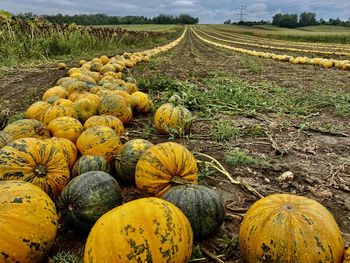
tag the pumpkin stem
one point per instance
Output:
(40, 170)
(176, 180)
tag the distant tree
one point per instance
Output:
(322, 21)
(285, 20)
(334, 22)
(307, 19)
(227, 22)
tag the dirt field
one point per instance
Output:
(259, 118)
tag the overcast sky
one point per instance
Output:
(208, 11)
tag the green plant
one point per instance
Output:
(240, 158)
(66, 257)
(223, 130)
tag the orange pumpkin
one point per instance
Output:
(55, 91)
(163, 166)
(99, 140)
(68, 149)
(290, 228)
(28, 222)
(170, 119)
(140, 102)
(117, 106)
(27, 128)
(143, 230)
(105, 120)
(37, 109)
(85, 108)
(66, 127)
(35, 161)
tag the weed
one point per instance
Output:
(240, 158)
(16, 117)
(66, 257)
(229, 245)
(224, 130)
(251, 64)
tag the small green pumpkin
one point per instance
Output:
(88, 163)
(86, 198)
(202, 206)
(130, 153)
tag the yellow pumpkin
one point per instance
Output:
(117, 106)
(99, 140)
(27, 128)
(290, 228)
(68, 148)
(106, 120)
(122, 93)
(76, 86)
(140, 102)
(37, 109)
(35, 161)
(63, 102)
(143, 230)
(28, 222)
(104, 59)
(170, 119)
(347, 256)
(78, 95)
(55, 112)
(66, 127)
(85, 108)
(55, 91)
(5, 139)
(163, 166)
(130, 87)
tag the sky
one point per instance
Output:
(208, 11)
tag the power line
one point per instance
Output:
(240, 13)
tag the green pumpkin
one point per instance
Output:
(202, 206)
(88, 163)
(130, 153)
(86, 198)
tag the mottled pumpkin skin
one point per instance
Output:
(63, 102)
(106, 120)
(37, 109)
(88, 163)
(28, 222)
(140, 102)
(55, 91)
(55, 112)
(170, 119)
(117, 106)
(27, 128)
(99, 140)
(289, 228)
(202, 206)
(68, 148)
(130, 153)
(347, 256)
(130, 87)
(5, 139)
(86, 198)
(75, 86)
(143, 230)
(35, 161)
(165, 165)
(66, 127)
(85, 108)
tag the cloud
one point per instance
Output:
(208, 11)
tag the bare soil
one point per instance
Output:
(319, 161)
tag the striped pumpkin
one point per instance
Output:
(143, 230)
(28, 222)
(140, 102)
(55, 91)
(68, 148)
(27, 128)
(170, 119)
(290, 228)
(35, 161)
(88, 163)
(66, 127)
(5, 139)
(55, 112)
(105, 120)
(37, 109)
(117, 106)
(165, 165)
(85, 108)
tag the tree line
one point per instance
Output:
(294, 20)
(102, 19)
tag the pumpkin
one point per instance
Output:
(5, 139)
(55, 91)
(68, 149)
(170, 119)
(130, 87)
(143, 230)
(37, 109)
(84, 94)
(86, 198)
(85, 108)
(347, 256)
(130, 153)
(55, 112)
(122, 93)
(289, 228)
(165, 165)
(140, 102)
(35, 161)
(63, 102)
(105, 120)
(104, 59)
(27, 128)
(117, 106)
(88, 163)
(202, 206)
(61, 66)
(76, 86)
(28, 222)
(99, 140)
(72, 71)
(66, 127)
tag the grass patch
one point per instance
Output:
(66, 257)
(224, 130)
(240, 158)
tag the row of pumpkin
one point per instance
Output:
(149, 229)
